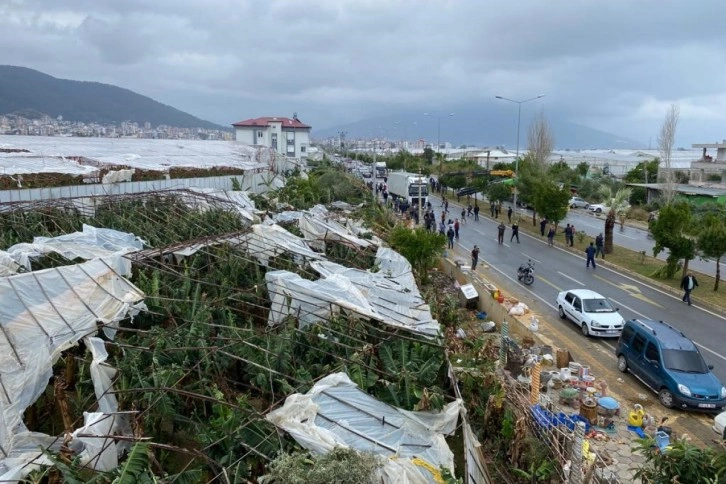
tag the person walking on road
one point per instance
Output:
(500, 233)
(542, 226)
(590, 253)
(450, 235)
(492, 207)
(688, 284)
(551, 236)
(476, 213)
(568, 235)
(599, 245)
(509, 214)
(456, 229)
(474, 257)
(515, 231)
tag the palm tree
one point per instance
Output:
(618, 204)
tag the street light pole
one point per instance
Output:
(519, 122)
(438, 135)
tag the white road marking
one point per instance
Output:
(531, 258)
(571, 278)
(646, 317)
(630, 309)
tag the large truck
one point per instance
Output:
(381, 169)
(408, 186)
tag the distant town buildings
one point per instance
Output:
(11, 124)
(289, 137)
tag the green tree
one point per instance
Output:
(428, 155)
(711, 242)
(419, 246)
(582, 168)
(499, 192)
(617, 204)
(561, 172)
(670, 231)
(644, 172)
(551, 201)
(453, 181)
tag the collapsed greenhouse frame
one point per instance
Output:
(358, 328)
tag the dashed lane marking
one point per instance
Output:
(571, 278)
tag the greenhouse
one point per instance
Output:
(160, 329)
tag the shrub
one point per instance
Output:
(340, 466)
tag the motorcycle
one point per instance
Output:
(525, 273)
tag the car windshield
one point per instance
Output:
(687, 361)
(598, 306)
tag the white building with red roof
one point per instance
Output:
(289, 137)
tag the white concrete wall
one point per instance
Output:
(245, 135)
(252, 182)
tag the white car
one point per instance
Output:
(593, 313)
(577, 202)
(599, 208)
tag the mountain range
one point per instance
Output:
(28, 90)
(482, 124)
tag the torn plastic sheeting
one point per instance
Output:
(396, 267)
(266, 241)
(46, 312)
(118, 176)
(287, 216)
(317, 230)
(8, 265)
(94, 449)
(392, 302)
(312, 301)
(242, 204)
(89, 244)
(336, 413)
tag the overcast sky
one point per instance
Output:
(615, 65)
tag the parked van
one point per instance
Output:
(670, 364)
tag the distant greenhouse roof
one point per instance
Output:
(685, 189)
(79, 156)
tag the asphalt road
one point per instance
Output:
(557, 269)
(632, 238)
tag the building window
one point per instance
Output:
(302, 149)
(259, 134)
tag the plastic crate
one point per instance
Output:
(662, 440)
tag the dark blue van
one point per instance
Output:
(670, 364)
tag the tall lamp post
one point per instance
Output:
(438, 134)
(519, 122)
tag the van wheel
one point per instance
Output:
(562, 312)
(584, 330)
(622, 364)
(666, 398)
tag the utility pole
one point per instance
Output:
(438, 137)
(420, 202)
(519, 122)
